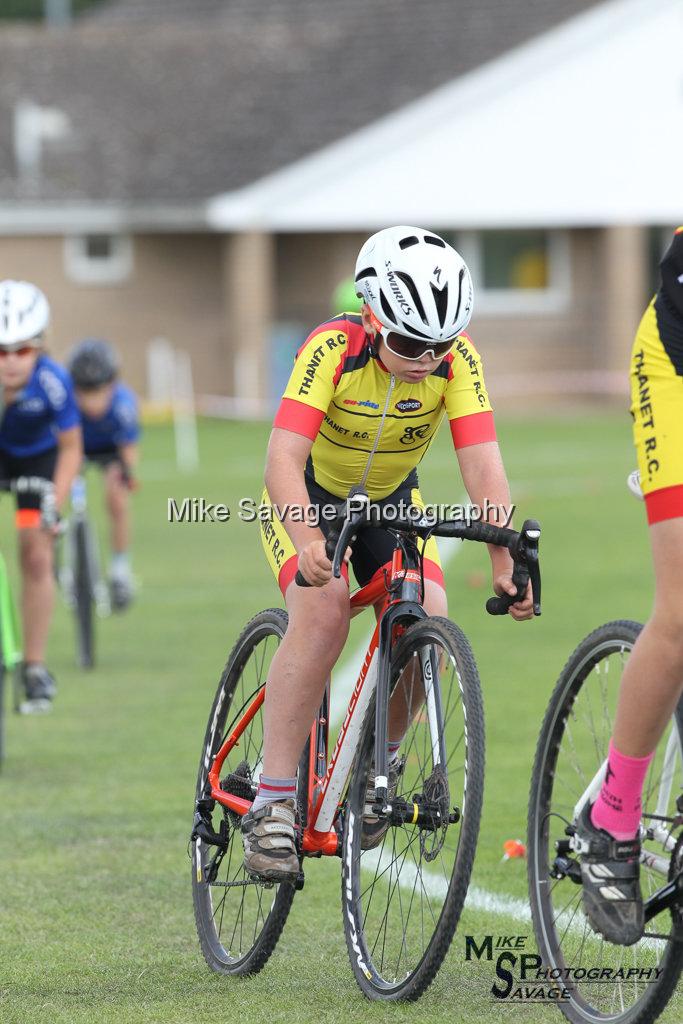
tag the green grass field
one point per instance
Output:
(96, 799)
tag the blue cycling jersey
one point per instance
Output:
(118, 426)
(43, 408)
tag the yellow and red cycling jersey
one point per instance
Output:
(657, 392)
(337, 393)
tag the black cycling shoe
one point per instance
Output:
(40, 689)
(610, 870)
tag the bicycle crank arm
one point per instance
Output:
(402, 813)
(669, 895)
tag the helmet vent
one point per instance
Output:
(411, 332)
(433, 240)
(457, 310)
(409, 240)
(414, 294)
(388, 312)
(441, 302)
(367, 272)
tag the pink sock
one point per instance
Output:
(617, 809)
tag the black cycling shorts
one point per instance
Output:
(41, 465)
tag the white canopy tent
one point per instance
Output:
(582, 126)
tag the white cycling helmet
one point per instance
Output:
(24, 312)
(415, 283)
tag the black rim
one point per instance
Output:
(401, 887)
(84, 598)
(234, 909)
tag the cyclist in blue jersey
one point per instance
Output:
(111, 430)
(40, 436)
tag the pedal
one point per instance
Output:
(267, 883)
(566, 867)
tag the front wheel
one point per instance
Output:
(403, 897)
(604, 982)
(82, 547)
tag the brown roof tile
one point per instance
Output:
(171, 106)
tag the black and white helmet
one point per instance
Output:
(24, 313)
(415, 283)
(93, 363)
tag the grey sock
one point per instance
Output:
(271, 790)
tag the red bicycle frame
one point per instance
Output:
(324, 787)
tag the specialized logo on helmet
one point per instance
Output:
(437, 274)
(367, 288)
(406, 308)
(408, 405)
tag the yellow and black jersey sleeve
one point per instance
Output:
(467, 402)
(312, 384)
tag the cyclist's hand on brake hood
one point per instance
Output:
(314, 564)
(521, 610)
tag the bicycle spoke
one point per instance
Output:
(573, 753)
(233, 910)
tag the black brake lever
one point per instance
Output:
(526, 568)
(333, 549)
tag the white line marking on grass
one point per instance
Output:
(479, 899)
(344, 678)
(437, 886)
(496, 903)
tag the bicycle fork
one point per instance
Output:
(432, 808)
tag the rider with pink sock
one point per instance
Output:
(608, 830)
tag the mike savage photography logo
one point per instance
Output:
(200, 510)
(519, 976)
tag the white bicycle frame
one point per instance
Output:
(339, 767)
(657, 829)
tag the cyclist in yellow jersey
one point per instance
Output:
(363, 403)
(652, 682)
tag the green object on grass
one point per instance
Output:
(10, 631)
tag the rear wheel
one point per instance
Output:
(402, 899)
(238, 920)
(572, 747)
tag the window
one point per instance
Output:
(98, 259)
(526, 271)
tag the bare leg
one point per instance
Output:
(317, 631)
(653, 678)
(37, 598)
(117, 500)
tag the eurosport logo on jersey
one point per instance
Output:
(521, 977)
(249, 510)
